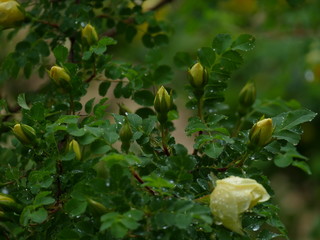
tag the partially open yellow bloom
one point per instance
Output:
(233, 196)
(58, 74)
(9, 13)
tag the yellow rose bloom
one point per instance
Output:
(10, 13)
(233, 196)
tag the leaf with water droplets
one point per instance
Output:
(221, 42)
(244, 42)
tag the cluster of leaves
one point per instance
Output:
(145, 192)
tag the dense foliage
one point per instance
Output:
(75, 169)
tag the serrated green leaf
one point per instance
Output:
(182, 60)
(244, 42)
(231, 60)
(206, 56)
(61, 53)
(39, 216)
(75, 207)
(221, 43)
(143, 97)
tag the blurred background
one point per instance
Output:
(285, 63)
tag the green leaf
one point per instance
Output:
(206, 56)
(283, 160)
(37, 111)
(39, 216)
(244, 42)
(118, 230)
(291, 119)
(162, 75)
(303, 166)
(143, 97)
(213, 150)
(103, 88)
(89, 105)
(182, 60)
(87, 55)
(22, 101)
(99, 147)
(221, 42)
(43, 199)
(61, 53)
(75, 207)
(157, 182)
(107, 41)
(231, 60)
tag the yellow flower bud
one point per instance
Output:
(89, 34)
(74, 147)
(247, 95)
(5, 199)
(10, 13)
(261, 133)
(25, 133)
(233, 196)
(198, 75)
(58, 74)
(96, 207)
(163, 103)
(125, 132)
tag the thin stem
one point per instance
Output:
(200, 108)
(164, 134)
(139, 179)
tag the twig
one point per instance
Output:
(139, 179)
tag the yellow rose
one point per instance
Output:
(233, 196)
(10, 13)
(58, 74)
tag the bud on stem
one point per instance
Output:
(125, 136)
(247, 95)
(74, 147)
(25, 133)
(198, 76)
(89, 34)
(261, 133)
(59, 74)
(163, 103)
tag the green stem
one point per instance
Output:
(200, 108)
(164, 134)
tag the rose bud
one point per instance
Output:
(58, 74)
(261, 133)
(74, 147)
(25, 133)
(89, 34)
(198, 75)
(10, 13)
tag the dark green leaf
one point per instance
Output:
(221, 43)
(75, 207)
(103, 88)
(183, 60)
(89, 105)
(231, 60)
(143, 97)
(244, 42)
(206, 56)
(61, 53)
